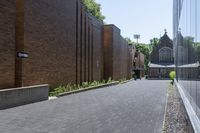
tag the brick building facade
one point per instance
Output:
(116, 54)
(7, 43)
(65, 44)
(162, 59)
(138, 64)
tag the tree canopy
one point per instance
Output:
(94, 8)
(129, 40)
(143, 48)
(153, 42)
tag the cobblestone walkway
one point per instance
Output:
(134, 107)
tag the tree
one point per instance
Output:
(153, 43)
(94, 8)
(144, 48)
(129, 40)
(197, 47)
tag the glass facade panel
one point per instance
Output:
(187, 48)
(197, 46)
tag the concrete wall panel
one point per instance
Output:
(20, 96)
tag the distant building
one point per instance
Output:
(138, 64)
(162, 59)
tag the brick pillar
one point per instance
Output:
(19, 39)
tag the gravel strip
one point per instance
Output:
(175, 115)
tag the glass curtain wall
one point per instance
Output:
(187, 48)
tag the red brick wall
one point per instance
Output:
(139, 63)
(131, 54)
(69, 39)
(97, 49)
(108, 51)
(139, 60)
(89, 47)
(50, 40)
(127, 56)
(65, 44)
(7, 43)
(116, 54)
(124, 58)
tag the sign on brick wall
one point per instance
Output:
(22, 54)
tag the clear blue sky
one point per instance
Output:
(149, 18)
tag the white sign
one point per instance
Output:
(22, 54)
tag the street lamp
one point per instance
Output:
(137, 36)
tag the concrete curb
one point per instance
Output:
(166, 105)
(87, 89)
(127, 81)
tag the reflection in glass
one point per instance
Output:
(187, 48)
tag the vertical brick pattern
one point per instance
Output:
(89, 47)
(131, 54)
(117, 74)
(139, 63)
(78, 43)
(7, 43)
(19, 42)
(65, 44)
(97, 49)
(82, 43)
(50, 40)
(108, 51)
(116, 54)
(124, 58)
(78, 19)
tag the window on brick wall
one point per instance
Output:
(165, 54)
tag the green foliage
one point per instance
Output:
(122, 80)
(192, 46)
(188, 40)
(62, 89)
(153, 43)
(129, 40)
(144, 48)
(197, 48)
(109, 80)
(69, 87)
(172, 75)
(94, 8)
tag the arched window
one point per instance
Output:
(165, 54)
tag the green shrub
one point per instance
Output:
(85, 84)
(172, 75)
(122, 80)
(109, 80)
(69, 87)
